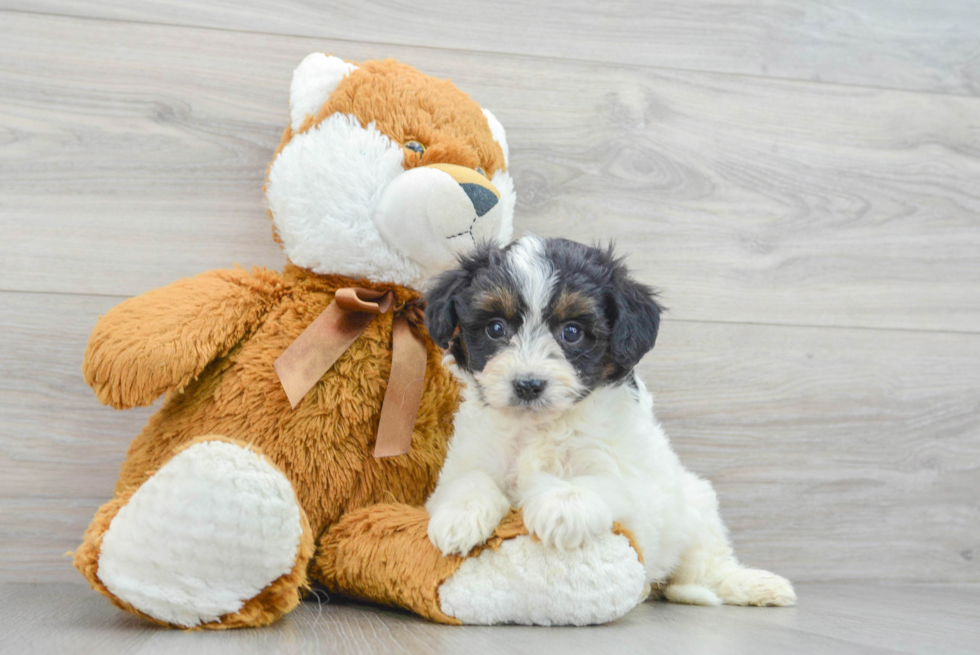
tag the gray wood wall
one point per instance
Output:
(802, 179)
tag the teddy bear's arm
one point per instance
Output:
(162, 340)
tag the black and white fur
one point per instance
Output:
(545, 334)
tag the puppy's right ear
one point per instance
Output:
(635, 317)
(440, 311)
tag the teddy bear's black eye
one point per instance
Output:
(496, 329)
(415, 147)
(481, 171)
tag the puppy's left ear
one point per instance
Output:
(634, 314)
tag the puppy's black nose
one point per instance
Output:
(528, 388)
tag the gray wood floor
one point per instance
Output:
(801, 179)
(841, 619)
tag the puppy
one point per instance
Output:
(545, 334)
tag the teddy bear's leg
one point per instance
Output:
(383, 554)
(215, 538)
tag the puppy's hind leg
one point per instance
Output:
(708, 573)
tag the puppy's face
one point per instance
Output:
(538, 325)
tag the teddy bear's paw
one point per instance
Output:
(206, 533)
(526, 582)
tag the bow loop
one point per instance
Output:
(368, 301)
(333, 332)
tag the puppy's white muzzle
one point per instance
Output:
(531, 376)
(434, 213)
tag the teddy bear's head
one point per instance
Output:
(386, 173)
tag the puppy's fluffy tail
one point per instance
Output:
(708, 573)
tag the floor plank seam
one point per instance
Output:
(668, 318)
(80, 294)
(622, 65)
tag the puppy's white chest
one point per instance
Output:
(538, 451)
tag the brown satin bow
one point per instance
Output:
(329, 336)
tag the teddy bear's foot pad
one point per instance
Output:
(525, 582)
(206, 533)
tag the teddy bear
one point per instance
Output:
(307, 412)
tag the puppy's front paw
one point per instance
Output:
(464, 514)
(456, 530)
(567, 517)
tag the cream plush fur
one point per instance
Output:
(522, 582)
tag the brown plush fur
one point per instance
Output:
(408, 105)
(210, 341)
(324, 446)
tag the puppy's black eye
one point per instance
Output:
(481, 171)
(496, 329)
(415, 147)
(571, 333)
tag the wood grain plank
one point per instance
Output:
(835, 452)
(840, 618)
(917, 45)
(56, 440)
(40, 534)
(128, 160)
(838, 454)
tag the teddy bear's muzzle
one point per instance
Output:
(435, 213)
(481, 191)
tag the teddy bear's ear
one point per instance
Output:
(499, 135)
(313, 82)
